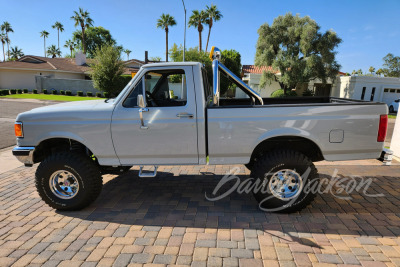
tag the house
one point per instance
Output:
(35, 72)
(251, 75)
(370, 88)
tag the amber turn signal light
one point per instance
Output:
(18, 129)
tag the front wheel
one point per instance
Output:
(391, 109)
(68, 181)
(287, 177)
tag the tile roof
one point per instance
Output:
(54, 64)
(257, 70)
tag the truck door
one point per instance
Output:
(168, 133)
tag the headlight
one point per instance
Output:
(19, 132)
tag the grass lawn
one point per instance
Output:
(392, 116)
(51, 97)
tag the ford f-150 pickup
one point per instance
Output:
(169, 114)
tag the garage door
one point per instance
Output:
(390, 95)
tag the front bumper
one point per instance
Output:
(24, 154)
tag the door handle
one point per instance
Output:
(141, 110)
(184, 115)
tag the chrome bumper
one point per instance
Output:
(386, 156)
(24, 154)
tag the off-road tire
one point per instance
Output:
(277, 160)
(83, 168)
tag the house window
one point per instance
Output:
(363, 93)
(372, 93)
(398, 91)
(393, 90)
(386, 90)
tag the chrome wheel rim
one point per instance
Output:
(64, 184)
(286, 184)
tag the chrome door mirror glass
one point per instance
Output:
(140, 101)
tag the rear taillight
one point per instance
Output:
(383, 123)
(18, 129)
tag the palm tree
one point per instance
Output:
(196, 20)
(44, 34)
(82, 19)
(60, 28)
(127, 52)
(164, 22)
(16, 53)
(53, 51)
(213, 14)
(3, 40)
(6, 28)
(71, 45)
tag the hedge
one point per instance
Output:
(34, 91)
(62, 92)
(281, 93)
(98, 94)
(68, 92)
(89, 94)
(13, 91)
(80, 93)
(45, 91)
(19, 91)
(106, 94)
(26, 91)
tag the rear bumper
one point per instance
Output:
(386, 156)
(24, 154)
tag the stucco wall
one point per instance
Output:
(21, 79)
(73, 85)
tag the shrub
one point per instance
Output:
(19, 91)
(62, 92)
(54, 92)
(68, 92)
(26, 91)
(45, 91)
(13, 91)
(280, 93)
(106, 94)
(98, 94)
(1, 92)
(6, 92)
(34, 91)
(89, 94)
(80, 93)
(308, 92)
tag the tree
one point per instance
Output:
(360, 72)
(6, 28)
(95, 37)
(71, 45)
(127, 52)
(107, 70)
(371, 70)
(44, 34)
(60, 28)
(82, 19)
(16, 53)
(391, 66)
(197, 19)
(295, 47)
(3, 40)
(164, 22)
(155, 59)
(379, 72)
(53, 51)
(213, 14)
(230, 58)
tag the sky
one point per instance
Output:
(369, 29)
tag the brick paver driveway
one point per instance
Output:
(167, 220)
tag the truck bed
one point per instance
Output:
(293, 100)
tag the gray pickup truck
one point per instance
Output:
(169, 114)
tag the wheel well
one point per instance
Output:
(54, 145)
(300, 144)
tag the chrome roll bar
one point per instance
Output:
(218, 66)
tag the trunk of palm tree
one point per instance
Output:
(58, 37)
(209, 31)
(4, 55)
(166, 44)
(8, 47)
(200, 41)
(83, 40)
(71, 51)
(44, 38)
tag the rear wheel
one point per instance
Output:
(287, 178)
(68, 181)
(391, 109)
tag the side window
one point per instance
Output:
(131, 100)
(166, 88)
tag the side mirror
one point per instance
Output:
(140, 101)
